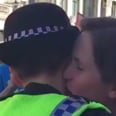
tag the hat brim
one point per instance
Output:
(11, 52)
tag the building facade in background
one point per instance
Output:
(89, 8)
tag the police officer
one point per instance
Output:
(38, 44)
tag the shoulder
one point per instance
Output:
(93, 108)
(4, 66)
(79, 105)
(90, 108)
(4, 69)
(4, 72)
(96, 112)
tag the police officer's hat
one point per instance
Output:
(29, 24)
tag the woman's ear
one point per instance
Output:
(15, 77)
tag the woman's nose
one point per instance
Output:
(68, 73)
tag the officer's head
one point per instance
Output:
(92, 73)
(38, 40)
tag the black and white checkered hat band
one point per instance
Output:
(34, 32)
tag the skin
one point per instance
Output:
(82, 76)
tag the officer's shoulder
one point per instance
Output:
(2, 98)
(93, 108)
(96, 112)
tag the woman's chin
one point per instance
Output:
(71, 89)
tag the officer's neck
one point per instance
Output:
(55, 81)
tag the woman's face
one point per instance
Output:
(82, 75)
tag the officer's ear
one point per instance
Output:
(15, 77)
(112, 91)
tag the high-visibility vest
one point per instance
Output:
(45, 105)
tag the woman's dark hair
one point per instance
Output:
(103, 31)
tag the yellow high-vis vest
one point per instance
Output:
(45, 105)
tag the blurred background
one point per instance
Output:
(75, 9)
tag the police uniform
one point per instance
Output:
(33, 35)
(44, 100)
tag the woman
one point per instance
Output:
(92, 72)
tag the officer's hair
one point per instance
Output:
(47, 55)
(103, 32)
